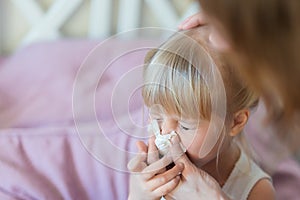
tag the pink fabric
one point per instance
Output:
(43, 157)
(2, 59)
(51, 163)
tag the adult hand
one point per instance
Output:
(193, 21)
(215, 36)
(195, 183)
(149, 179)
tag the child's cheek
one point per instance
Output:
(192, 142)
(186, 140)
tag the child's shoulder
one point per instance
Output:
(263, 189)
(248, 181)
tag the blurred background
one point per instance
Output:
(23, 22)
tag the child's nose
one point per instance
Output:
(167, 126)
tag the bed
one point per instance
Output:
(42, 155)
(48, 152)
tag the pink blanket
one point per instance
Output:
(43, 156)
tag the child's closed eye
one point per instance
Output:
(187, 127)
(183, 127)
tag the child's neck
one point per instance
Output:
(227, 159)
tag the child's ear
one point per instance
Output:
(239, 121)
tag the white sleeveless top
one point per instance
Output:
(243, 177)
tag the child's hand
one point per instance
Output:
(195, 183)
(149, 179)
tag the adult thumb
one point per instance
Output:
(178, 155)
(142, 147)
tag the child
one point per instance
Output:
(193, 94)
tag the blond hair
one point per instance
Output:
(265, 37)
(176, 77)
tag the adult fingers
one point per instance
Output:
(163, 178)
(138, 163)
(178, 155)
(193, 21)
(180, 26)
(156, 167)
(153, 154)
(142, 147)
(168, 187)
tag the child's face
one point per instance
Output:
(191, 132)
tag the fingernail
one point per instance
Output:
(175, 139)
(185, 21)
